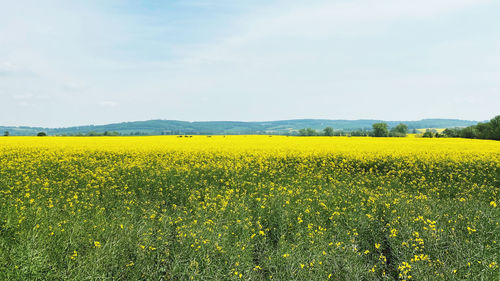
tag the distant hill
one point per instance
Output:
(283, 127)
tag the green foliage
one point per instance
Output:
(328, 131)
(428, 134)
(311, 132)
(380, 130)
(469, 132)
(6, 134)
(488, 130)
(307, 132)
(452, 132)
(359, 133)
(130, 216)
(284, 127)
(105, 133)
(41, 134)
(401, 130)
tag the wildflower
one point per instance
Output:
(471, 230)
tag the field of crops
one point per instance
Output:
(249, 208)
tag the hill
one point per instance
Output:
(283, 127)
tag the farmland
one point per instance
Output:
(249, 208)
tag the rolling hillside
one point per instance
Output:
(286, 127)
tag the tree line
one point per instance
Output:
(488, 130)
(378, 130)
(330, 132)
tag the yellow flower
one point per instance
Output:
(97, 244)
(471, 230)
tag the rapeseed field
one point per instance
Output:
(249, 208)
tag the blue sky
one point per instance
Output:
(66, 63)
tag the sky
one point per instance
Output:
(66, 63)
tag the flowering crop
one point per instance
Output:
(248, 208)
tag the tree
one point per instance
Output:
(488, 130)
(482, 130)
(380, 130)
(468, 132)
(6, 134)
(495, 128)
(307, 132)
(359, 133)
(311, 132)
(328, 131)
(452, 132)
(428, 134)
(400, 130)
(41, 134)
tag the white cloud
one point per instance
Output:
(320, 19)
(108, 103)
(6, 68)
(306, 57)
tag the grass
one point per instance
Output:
(254, 208)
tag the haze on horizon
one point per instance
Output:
(65, 63)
